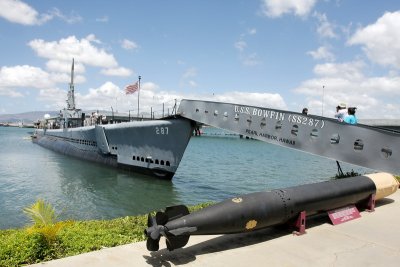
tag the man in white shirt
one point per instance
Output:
(341, 112)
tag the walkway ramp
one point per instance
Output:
(362, 145)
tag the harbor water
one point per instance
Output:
(216, 166)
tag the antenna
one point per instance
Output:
(71, 92)
(72, 72)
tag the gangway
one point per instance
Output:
(362, 145)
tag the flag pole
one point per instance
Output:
(138, 97)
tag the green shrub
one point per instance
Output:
(42, 243)
(17, 247)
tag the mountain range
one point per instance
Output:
(26, 117)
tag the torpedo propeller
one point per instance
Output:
(156, 227)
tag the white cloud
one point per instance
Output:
(325, 28)
(323, 52)
(83, 50)
(350, 70)
(71, 19)
(187, 79)
(347, 83)
(53, 98)
(16, 78)
(152, 98)
(10, 92)
(247, 59)
(381, 40)
(65, 78)
(277, 8)
(240, 45)
(108, 89)
(55, 65)
(129, 45)
(24, 76)
(121, 71)
(18, 12)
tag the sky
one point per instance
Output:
(269, 53)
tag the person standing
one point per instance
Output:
(351, 116)
(305, 111)
(341, 112)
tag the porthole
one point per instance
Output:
(133, 158)
(162, 162)
(335, 139)
(386, 152)
(142, 159)
(295, 130)
(249, 120)
(263, 123)
(278, 125)
(157, 161)
(225, 118)
(314, 133)
(167, 163)
(197, 110)
(358, 145)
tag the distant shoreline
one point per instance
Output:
(17, 125)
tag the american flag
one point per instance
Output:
(130, 89)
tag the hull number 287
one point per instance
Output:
(162, 130)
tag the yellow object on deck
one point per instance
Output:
(386, 184)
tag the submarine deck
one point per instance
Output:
(372, 240)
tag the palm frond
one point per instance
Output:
(41, 213)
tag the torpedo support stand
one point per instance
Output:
(371, 203)
(300, 224)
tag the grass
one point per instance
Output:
(33, 245)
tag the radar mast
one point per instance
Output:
(71, 92)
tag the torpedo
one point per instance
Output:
(263, 209)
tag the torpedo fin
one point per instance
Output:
(175, 212)
(174, 242)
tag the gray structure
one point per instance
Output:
(151, 147)
(372, 147)
(156, 147)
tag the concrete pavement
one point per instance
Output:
(372, 240)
